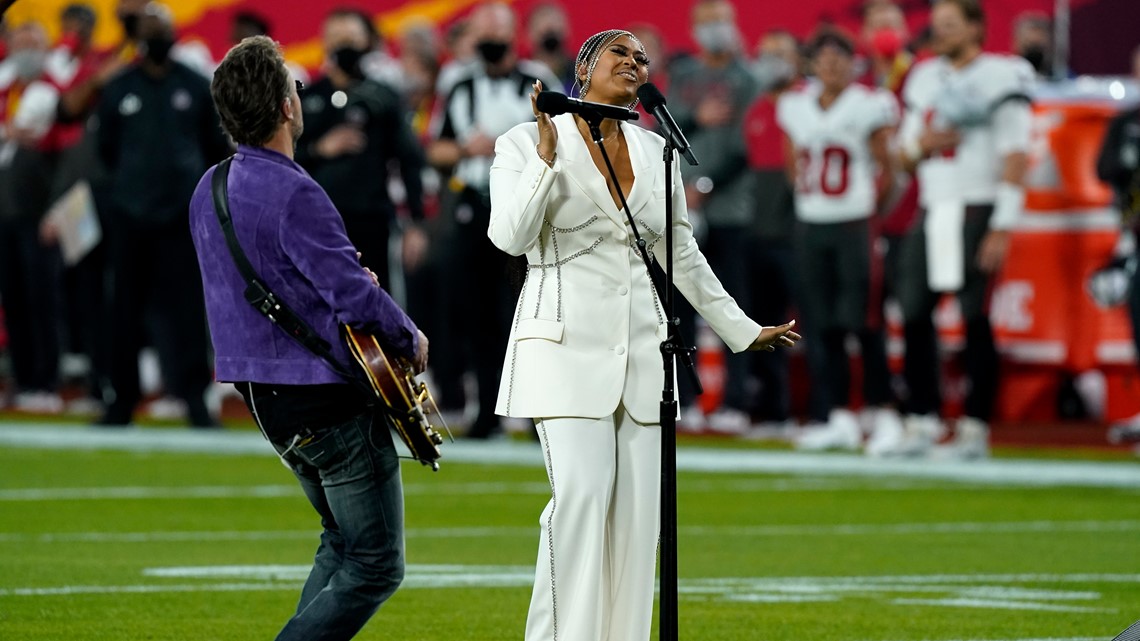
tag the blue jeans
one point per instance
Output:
(351, 475)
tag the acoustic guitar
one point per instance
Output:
(409, 402)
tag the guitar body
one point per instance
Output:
(408, 401)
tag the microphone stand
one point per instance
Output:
(673, 347)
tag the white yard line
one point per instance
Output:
(119, 493)
(115, 493)
(848, 529)
(1029, 639)
(244, 491)
(998, 604)
(993, 591)
(1002, 472)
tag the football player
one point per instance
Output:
(966, 131)
(837, 147)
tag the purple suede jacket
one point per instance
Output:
(296, 242)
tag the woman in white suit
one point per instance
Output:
(583, 358)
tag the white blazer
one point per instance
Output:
(588, 326)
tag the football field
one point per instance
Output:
(168, 534)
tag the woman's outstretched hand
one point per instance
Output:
(772, 337)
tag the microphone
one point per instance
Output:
(554, 103)
(654, 102)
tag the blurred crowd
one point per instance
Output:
(401, 135)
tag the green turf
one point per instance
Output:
(734, 526)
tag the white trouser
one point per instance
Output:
(597, 553)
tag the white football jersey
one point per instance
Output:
(835, 173)
(941, 96)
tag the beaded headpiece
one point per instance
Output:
(591, 51)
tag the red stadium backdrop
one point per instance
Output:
(295, 22)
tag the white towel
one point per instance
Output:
(945, 251)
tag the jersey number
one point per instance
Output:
(832, 177)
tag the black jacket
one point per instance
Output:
(157, 136)
(359, 182)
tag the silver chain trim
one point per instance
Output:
(570, 230)
(550, 529)
(542, 279)
(569, 258)
(515, 345)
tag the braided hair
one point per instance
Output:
(591, 50)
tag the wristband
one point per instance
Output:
(913, 150)
(1008, 205)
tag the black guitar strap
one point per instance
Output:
(258, 294)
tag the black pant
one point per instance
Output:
(730, 252)
(156, 290)
(31, 295)
(840, 295)
(922, 366)
(481, 305)
(770, 275)
(369, 233)
(85, 315)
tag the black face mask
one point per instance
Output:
(1037, 56)
(551, 42)
(130, 25)
(493, 51)
(158, 48)
(348, 59)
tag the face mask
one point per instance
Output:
(29, 63)
(493, 51)
(70, 41)
(551, 42)
(772, 72)
(887, 43)
(158, 49)
(1035, 55)
(717, 37)
(130, 25)
(348, 59)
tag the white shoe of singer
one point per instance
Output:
(842, 432)
(886, 433)
(971, 441)
(920, 433)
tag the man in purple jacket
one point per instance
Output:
(339, 448)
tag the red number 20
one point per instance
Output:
(833, 172)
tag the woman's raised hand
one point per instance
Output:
(547, 134)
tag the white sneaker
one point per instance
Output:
(1125, 431)
(692, 420)
(84, 406)
(887, 433)
(730, 421)
(841, 433)
(166, 408)
(971, 441)
(920, 433)
(38, 403)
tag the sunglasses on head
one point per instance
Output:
(300, 86)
